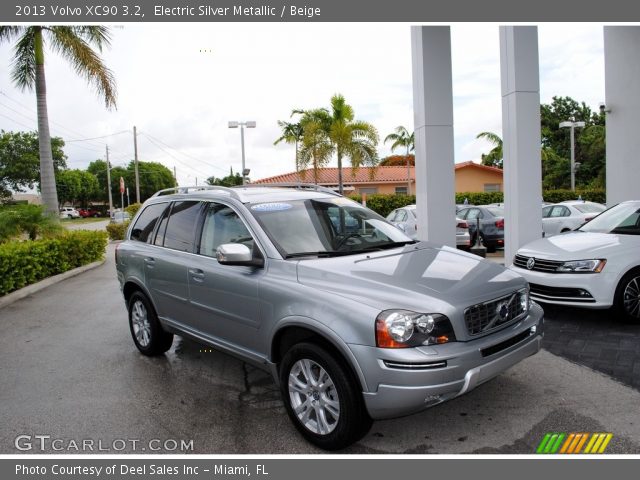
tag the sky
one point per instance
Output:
(180, 85)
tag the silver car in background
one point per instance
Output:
(355, 320)
(406, 219)
(569, 215)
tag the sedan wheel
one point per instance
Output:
(140, 321)
(322, 397)
(627, 300)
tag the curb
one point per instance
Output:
(47, 282)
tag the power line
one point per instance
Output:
(96, 138)
(30, 127)
(173, 156)
(150, 137)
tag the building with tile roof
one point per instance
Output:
(469, 177)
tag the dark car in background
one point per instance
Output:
(491, 224)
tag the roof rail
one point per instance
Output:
(297, 185)
(195, 188)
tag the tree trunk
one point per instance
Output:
(340, 186)
(47, 175)
(408, 173)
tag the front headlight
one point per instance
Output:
(582, 266)
(404, 328)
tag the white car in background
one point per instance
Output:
(406, 219)
(596, 266)
(566, 216)
(69, 212)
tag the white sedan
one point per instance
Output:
(566, 216)
(406, 219)
(596, 266)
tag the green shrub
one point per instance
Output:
(133, 209)
(480, 198)
(117, 231)
(385, 204)
(27, 219)
(24, 263)
(593, 195)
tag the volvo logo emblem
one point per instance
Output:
(531, 263)
(503, 310)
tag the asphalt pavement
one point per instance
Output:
(70, 372)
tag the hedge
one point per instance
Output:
(117, 230)
(27, 262)
(384, 204)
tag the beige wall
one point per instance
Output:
(474, 179)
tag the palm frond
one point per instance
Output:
(491, 137)
(85, 62)
(23, 67)
(9, 32)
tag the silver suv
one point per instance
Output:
(355, 320)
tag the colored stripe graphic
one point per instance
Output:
(572, 443)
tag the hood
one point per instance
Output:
(423, 277)
(578, 245)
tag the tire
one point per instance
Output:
(345, 416)
(147, 334)
(627, 297)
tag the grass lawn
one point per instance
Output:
(76, 221)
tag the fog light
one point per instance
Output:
(533, 330)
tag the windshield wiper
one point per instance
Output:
(396, 244)
(325, 253)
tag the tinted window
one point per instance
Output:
(147, 221)
(181, 226)
(546, 211)
(222, 225)
(473, 214)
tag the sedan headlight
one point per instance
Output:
(582, 266)
(404, 328)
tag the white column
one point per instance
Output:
(622, 97)
(433, 125)
(521, 135)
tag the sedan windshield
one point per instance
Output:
(325, 227)
(624, 218)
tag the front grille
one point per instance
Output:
(487, 316)
(543, 292)
(539, 264)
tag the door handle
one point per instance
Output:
(196, 274)
(150, 261)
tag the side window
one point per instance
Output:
(391, 217)
(181, 226)
(222, 225)
(402, 216)
(463, 213)
(566, 212)
(147, 221)
(473, 214)
(557, 211)
(546, 211)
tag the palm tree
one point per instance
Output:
(316, 148)
(74, 43)
(494, 157)
(291, 133)
(402, 138)
(353, 139)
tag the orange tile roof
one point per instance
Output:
(329, 176)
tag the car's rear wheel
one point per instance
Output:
(321, 398)
(627, 299)
(146, 331)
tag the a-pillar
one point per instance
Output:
(433, 125)
(521, 137)
(622, 98)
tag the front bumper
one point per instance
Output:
(559, 288)
(450, 369)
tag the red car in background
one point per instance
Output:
(89, 212)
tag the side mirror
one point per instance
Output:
(237, 254)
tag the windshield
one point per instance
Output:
(623, 218)
(589, 208)
(325, 227)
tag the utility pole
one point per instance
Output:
(109, 183)
(175, 176)
(135, 152)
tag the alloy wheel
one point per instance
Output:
(631, 297)
(140, 322)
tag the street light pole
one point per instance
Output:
(109, 183)
(248, 124)
(572, 125)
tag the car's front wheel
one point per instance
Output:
(627, 300)
(146, 330)
(321, 398)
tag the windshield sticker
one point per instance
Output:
(271, 207)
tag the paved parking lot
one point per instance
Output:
(68, 369)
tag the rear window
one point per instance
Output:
(496, 211)
(146, 222)
(590, 208)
